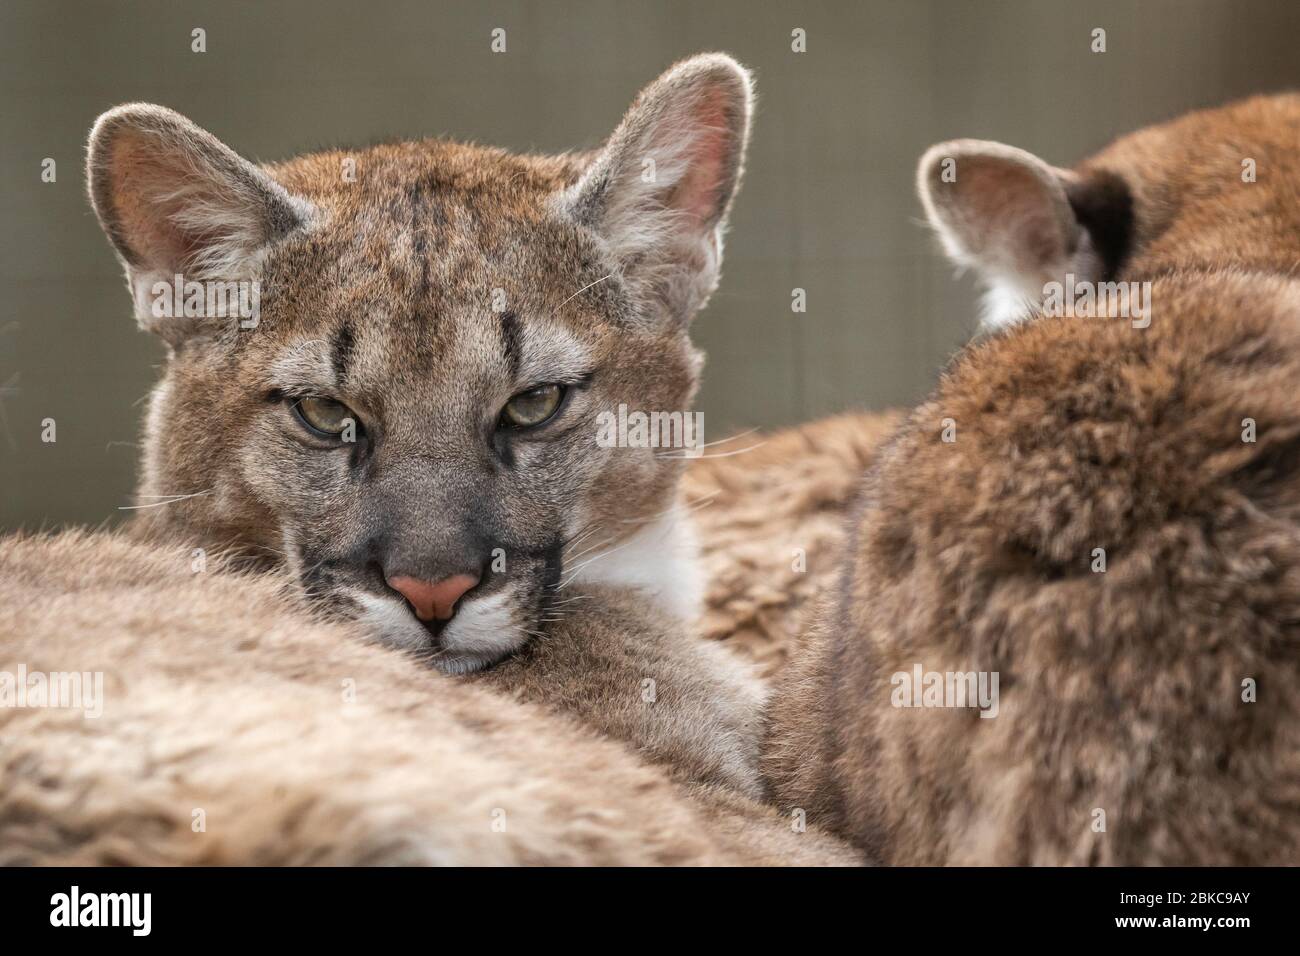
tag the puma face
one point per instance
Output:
(409, 424)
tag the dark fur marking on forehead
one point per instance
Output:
(343, 348)
(1104, 205)
(427, 214)
(510, 341)
(422, 261)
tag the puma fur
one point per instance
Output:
(1105, 515)
(272, 681)
(238, 729)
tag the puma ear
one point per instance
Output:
(174, 199)
(658, 193)
(1004, 212)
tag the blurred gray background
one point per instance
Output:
(827, 205)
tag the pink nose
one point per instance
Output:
(430, 600)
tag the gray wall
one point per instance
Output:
(827, 206)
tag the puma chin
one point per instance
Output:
(408, 425)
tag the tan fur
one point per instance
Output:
(423, 284)
(681, 701)
(1120, 691)
(771, 521)
(221, 695)
(613, 736)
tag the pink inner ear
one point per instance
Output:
(139, 178)
(149, 189)
(708, 155)
(1003, 210)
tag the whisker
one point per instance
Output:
(584, 289)
(690, 505)
(587, 550)
(723, 441)
(169, 500)
(725, 454)
(574, 572)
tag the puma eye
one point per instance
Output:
(324, 416)
(533, 407)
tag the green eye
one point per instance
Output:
(533, 407)
(324, 416)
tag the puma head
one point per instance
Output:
(407, 419)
